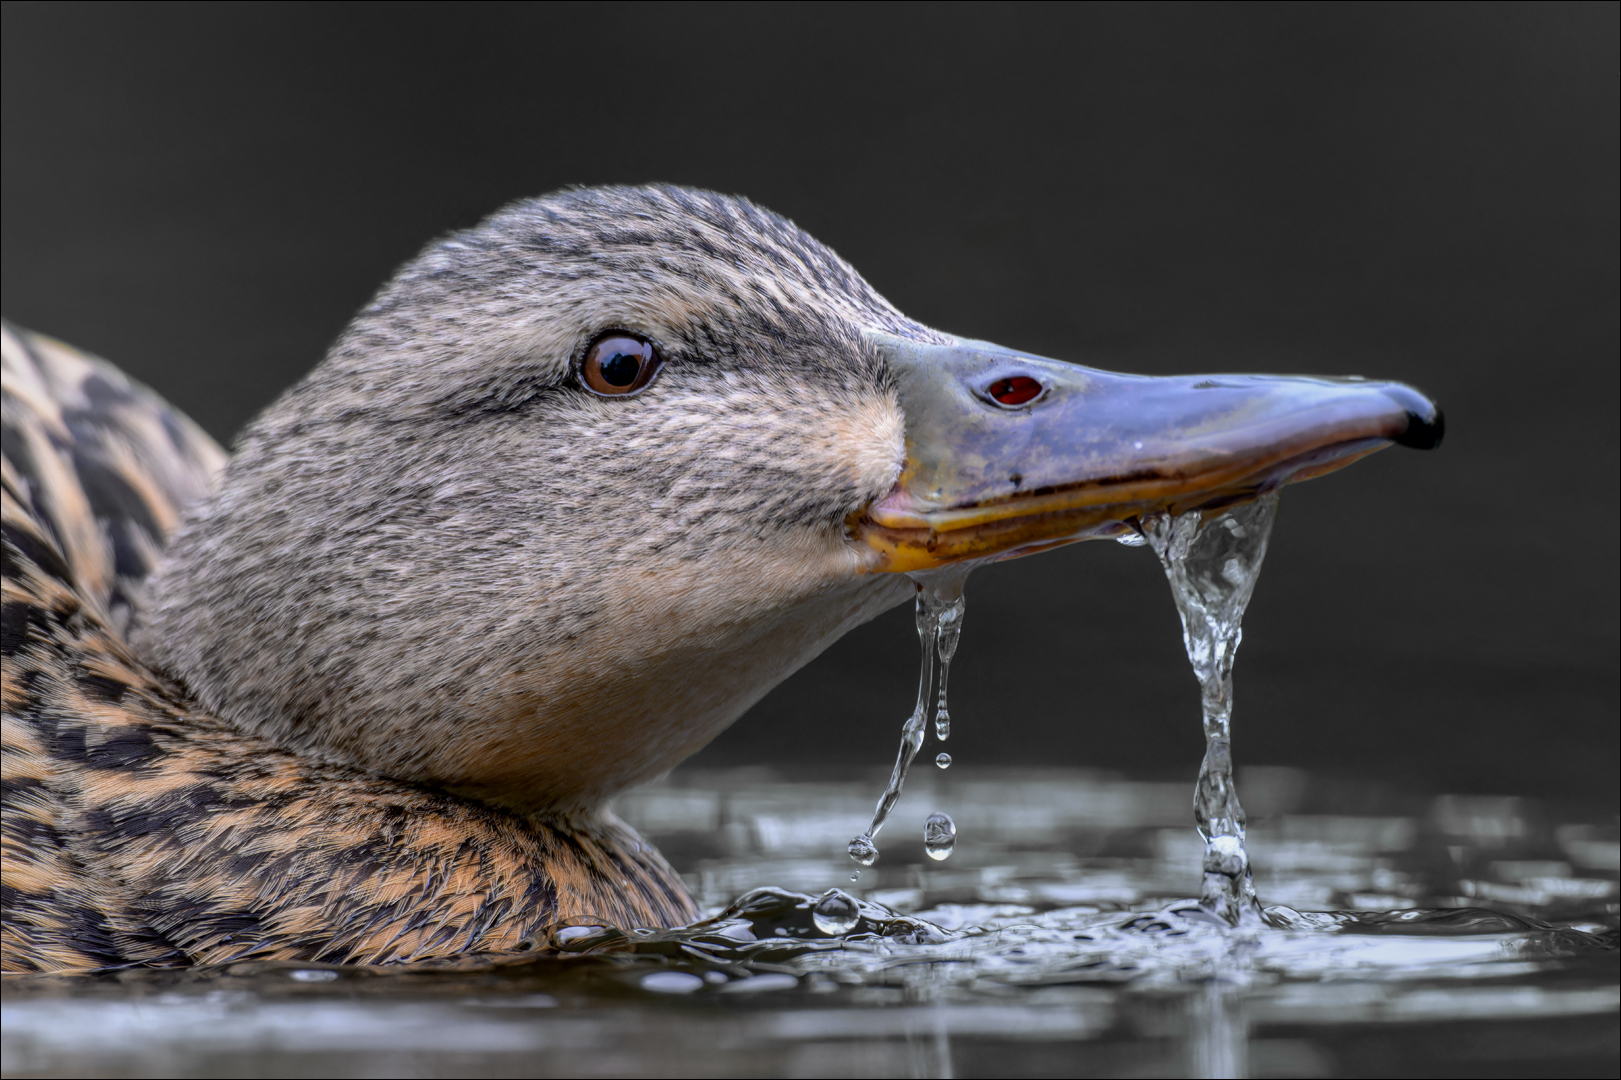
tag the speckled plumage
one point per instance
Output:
(138, 831)
(442, 602)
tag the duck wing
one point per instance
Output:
(102, 463)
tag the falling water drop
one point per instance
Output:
(943, 760)
(863, 850)
(836, 912)
(939, 836)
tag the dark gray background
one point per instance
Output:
(203, 193)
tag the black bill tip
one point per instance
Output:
(1426, 425)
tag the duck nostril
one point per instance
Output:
(1016, 390)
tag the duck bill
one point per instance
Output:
(1008, 454)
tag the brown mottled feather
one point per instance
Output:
(137, 831)
(105, 464)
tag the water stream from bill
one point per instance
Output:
(939, 615)
(1212, 565)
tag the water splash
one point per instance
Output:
(939, 836)
(975, 978)
(1212, 566)
(938, 615)
(1178, 951)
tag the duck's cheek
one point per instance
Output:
(676, 653)
(867, 442)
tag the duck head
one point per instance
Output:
(584, 482)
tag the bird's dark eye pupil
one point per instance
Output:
(621, 369)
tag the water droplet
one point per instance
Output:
(943, 760)
(942, 724)
(863, 850)
(836, 912)
(855, 875)
(939, 836)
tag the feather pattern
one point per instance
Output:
(139, 831)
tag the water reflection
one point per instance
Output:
(1421, 936)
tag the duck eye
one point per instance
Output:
(618, 363)
(1015, 391)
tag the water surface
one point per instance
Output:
(1406, 935)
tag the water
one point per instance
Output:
(1212, 565)
(939, 836)
(863, 851)
(939, 615)
(945, 597)
(1406, 934)
(836, 912)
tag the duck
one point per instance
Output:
(568, 495)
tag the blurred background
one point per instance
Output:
(205, 193)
